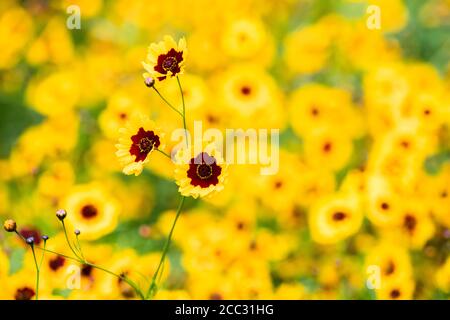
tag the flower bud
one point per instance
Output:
(10, 225)
(30, 240)
(44, 237)
(61, 214)
(77, 232)
(149, 82)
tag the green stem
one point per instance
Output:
(42, 256)
(67, 239)
(79, 247)
(37, 271)
(167, 102)
(152, 289)
(184, 110)
(164, 153)
(22, 237)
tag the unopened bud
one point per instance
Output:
(61, 214)
(10, 225)
(149, 82)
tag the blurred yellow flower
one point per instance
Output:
(91, 210)
(335, 218)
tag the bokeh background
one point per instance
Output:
(364, 175)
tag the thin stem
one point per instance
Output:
(42, 256)
(60, 254)
(37, 271)
(67, 239)
(184, 110)
(167, 102)
(22, 237)
(152, 289)
(79, 247)
(164, 153)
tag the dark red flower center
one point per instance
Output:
(339, 216)
(169, 62)
(385, 206)
(395, 294)
(327, 147)
(56, 263)
(30, 232)
(410, 223)
(86, 270)
(89, 211)
(143, 143)
(390, 269)
(204, 171)
(24, 293)
(246, 90)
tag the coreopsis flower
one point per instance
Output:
(393, 260)
(92, 210)
(335, 218)
(165, 59)
(137, 141)
(200, 175)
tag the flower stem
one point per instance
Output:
(42, 257)
(79, 248)
(184, 110)
(153, 286)
(164, 153)
(37, 271)
(68, 242)
(167, 102)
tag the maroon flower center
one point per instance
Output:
(86, 270)
(327, 147)
(143, 143)
(395, 294)
(56, 263)
(390, 269)
(339, 216)
(89, 211)
(215, 296)
(246, 90)
(30, 232)
(410, 223)
(204, 171)
(169, 62)
(24, 293)
(385, 206)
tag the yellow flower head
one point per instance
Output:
(335, 218)
(92, 210)
(137, 140)
(199, 174)
(165, 59)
